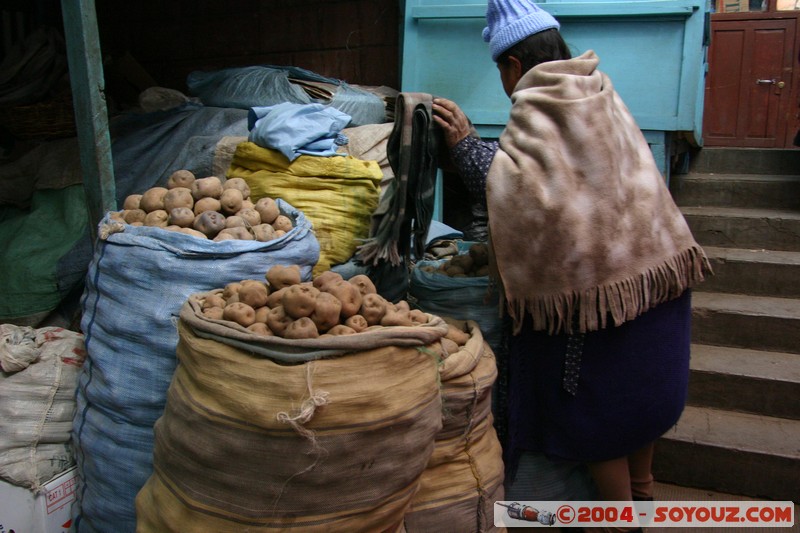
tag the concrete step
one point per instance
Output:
(745, 161)
(751, 381)
(744, 321)
(731, 227)
(726, 451)
(737, 190)
(756, 272)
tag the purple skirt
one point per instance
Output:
(631, 387)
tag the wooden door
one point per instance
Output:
(749, 84)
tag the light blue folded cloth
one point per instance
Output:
(296, 129)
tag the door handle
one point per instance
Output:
(780, 84)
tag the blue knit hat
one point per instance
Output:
(510, 21)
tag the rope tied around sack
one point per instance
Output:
(302, 416)
(307, 409)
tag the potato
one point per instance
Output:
(479, 252)
(209, 223)
(348, 294)
(132, 216)
(231, 201)
(182, 216)
(402, 305)
(178, 197)
(262, 232)
(278, 320)
(214, 313)
(302, 328)
(261, 314)
(231, 289)
(238, 184)
(260, 328)
(234, 221)
(153, 199)
(213, 300)
(250, 216)
(279, 276)
(455, 271)
(268, 210)
(326, 279)
(418, 317)
(208, 187)
(180, 178)
(193, 233)
(236, 233)
(207, 204)
(224, 236)
(276, 297)
(299, 300)
(357, 323)
(327, 308)
(279, 233)
(482, 271)
(247, 204)
(118, 216)
(396, 318)
(158, 218)
(464, 261)
(132, 201)
(283, 223)
(341, 329)
(373, 308)
(253, 293)
(240, 313)
(456, 335)
(364, 284)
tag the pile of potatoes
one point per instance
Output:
(207, 208)
(284, 306)
(473, 264)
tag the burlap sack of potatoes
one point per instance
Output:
(464, 476)
(329, 443)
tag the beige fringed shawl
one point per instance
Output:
(582, 225)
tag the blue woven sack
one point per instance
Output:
(137, 282)
(460, 298)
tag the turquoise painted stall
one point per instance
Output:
(654, 51)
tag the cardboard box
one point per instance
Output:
(50, 511)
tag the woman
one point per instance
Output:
(594, 260)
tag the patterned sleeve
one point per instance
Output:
(472, 158)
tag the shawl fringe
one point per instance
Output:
(591, 309)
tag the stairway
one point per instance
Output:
(740, 431)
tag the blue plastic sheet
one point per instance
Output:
(266, 85)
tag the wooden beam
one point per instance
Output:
(91, 114)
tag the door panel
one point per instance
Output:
(748, 88)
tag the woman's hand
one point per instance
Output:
(452, 120)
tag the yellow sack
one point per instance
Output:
(337, 194)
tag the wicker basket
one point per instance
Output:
(49, 119)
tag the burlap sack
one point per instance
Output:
(335, 443)
(464, 476)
